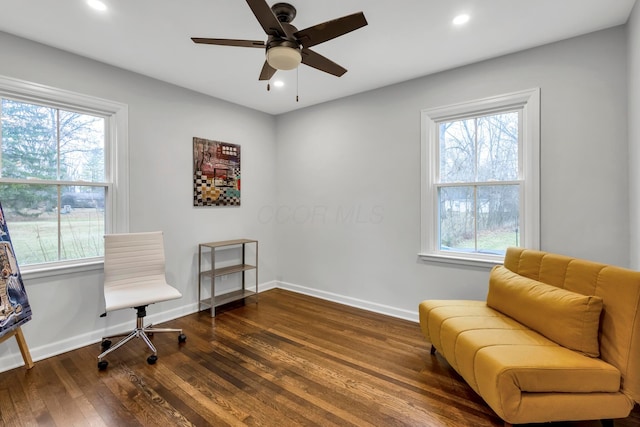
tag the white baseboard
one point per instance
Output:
(267, 286)
(353, 302)
(14, 358)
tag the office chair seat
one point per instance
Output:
(136, 294)
(134, 277)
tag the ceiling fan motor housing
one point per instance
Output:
(284, 12)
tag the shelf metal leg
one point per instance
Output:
(256, 272)
(199, 276)
(213, 282)
(243, 263)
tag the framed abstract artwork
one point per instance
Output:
(216, 173)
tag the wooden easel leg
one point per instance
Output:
(24, 349)
(22, 345)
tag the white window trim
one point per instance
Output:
(529, 101)
(116, 161)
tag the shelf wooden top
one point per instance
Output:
(228, 243)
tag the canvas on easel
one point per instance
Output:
(14, 304)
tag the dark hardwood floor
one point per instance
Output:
(289, 360)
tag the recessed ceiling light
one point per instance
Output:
(97, 5)
(461, 19)
(278, 83)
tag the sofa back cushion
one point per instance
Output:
(619, 289)
(568, 318)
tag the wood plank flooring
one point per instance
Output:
(290, 360)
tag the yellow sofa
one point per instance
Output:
(558, 338)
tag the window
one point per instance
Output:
(62, 173)
(480, 174)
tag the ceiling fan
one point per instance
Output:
(286, 47)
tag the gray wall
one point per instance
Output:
(163, 119)
(362, 155)
(633, 52)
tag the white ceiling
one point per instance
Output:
(404, 39)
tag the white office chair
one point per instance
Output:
(134, 277)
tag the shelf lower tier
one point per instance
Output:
(226, 298)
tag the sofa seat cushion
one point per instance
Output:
(453, 329)
(433, 312)
(470, 341)
(542, 369)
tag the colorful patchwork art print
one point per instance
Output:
(14, 304)
(216, 173)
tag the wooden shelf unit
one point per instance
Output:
(218, 300)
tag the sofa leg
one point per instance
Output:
(433, 349)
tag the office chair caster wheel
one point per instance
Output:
(151, 360)
(106, 344)
(182, 338)
(102, 365)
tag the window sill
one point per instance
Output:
(487, 263)
(60, 269)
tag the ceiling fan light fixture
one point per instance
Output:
(284, 57)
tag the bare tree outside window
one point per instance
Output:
(478, 183)
(52, 181)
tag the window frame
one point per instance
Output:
(116, 161)
(528, 102)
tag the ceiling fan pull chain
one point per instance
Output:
(297, 82)
(268, 85)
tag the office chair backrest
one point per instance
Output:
(133, 257)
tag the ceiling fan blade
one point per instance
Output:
(230, 42)
(331, 29)
(266, 18)
(267, 71)
(319, 62)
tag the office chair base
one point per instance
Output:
(140, 331)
